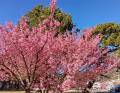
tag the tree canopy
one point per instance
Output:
(53, 63)
(47, 62)
(40, 13)
(110, 33)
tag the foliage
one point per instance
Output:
(110, 33)
(40, 13)
(45, 61)
(53, 63)
(25, 54)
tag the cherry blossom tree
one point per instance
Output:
(81, 60)
(45, 61)
(42, 60)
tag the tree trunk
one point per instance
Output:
(27, 91)
(45, 91)
(42, 91)
(85, 91)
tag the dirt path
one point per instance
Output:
(12, 91)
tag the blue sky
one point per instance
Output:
(85, 13)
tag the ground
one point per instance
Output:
(12, 91)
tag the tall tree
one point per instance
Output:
(110, 33)
(39, 13)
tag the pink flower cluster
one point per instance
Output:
(53, 63)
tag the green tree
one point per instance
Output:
(110, 33)
(39, 13)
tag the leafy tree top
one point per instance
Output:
(110, 33)
(39, 13)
